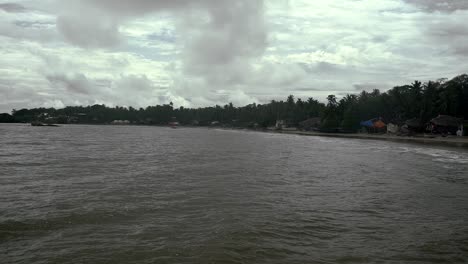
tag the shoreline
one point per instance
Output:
(454, 141)
(451, 141)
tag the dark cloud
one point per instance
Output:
(370, 86)
(204, 52)
(447, 35)
(74, 84)
(220, 37)
(89, 32)
(234, 32)
(36, 32)
(306, 89)
(25, 22)
(440, 5)
(12, 7)
(325, 68)
(33, 24)
(453, 33)
(141, 7)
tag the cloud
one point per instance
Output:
(450, 34)
(358, 87)
(220, 38)
(28, 25)
(126, 90)
(89, 33)
(235, 30)
(77, 83)
(12, 7)
(440, 5)
(204, 52)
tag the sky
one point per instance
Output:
(198, 53)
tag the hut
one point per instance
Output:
(310, 124)
(280, 124)
(392, 128)
(120, 122)
(415, 125)
(445, 124)
(374, 125)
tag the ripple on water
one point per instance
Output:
(103, 194)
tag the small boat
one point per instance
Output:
(37, 123)
(174, 124)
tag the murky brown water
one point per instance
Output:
(107, 194)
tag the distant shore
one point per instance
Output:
(453, 141)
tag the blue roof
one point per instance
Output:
(368, 123)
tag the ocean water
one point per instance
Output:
(137, 194)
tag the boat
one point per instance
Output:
(37, 123)
(173, 124)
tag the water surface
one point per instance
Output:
(128, 194)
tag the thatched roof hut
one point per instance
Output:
(310, 123)
(445, 124)
(414, 123)
(446, 121)
(373, 123)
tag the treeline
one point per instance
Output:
(416, 100)
(261, 114)
(422, 101)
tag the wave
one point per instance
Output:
(438, 155)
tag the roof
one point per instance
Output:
(367, 123)
(379, 124)
(446, 121)
(375, 122)
(414, 122)
(314, 121)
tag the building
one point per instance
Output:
(445, 124)
(310, 124)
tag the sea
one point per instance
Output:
(143, 194)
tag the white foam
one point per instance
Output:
(439, 155)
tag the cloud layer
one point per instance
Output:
(202, 52)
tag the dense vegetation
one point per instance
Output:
(417, 100)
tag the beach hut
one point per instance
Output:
(120, 122)
(310, 124)
(379, 124)
(279, 124)
(368, 123)
(392, 128)
(415, 125)
(445, 124)
(374, 125)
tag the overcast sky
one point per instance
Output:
(205, 52)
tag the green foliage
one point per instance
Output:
(417, 100)
(6, 118)
(264, 115)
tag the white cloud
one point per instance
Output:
(202, 52)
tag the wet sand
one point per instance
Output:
(424, 139)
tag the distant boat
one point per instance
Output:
(174, 124)
(37, 123)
